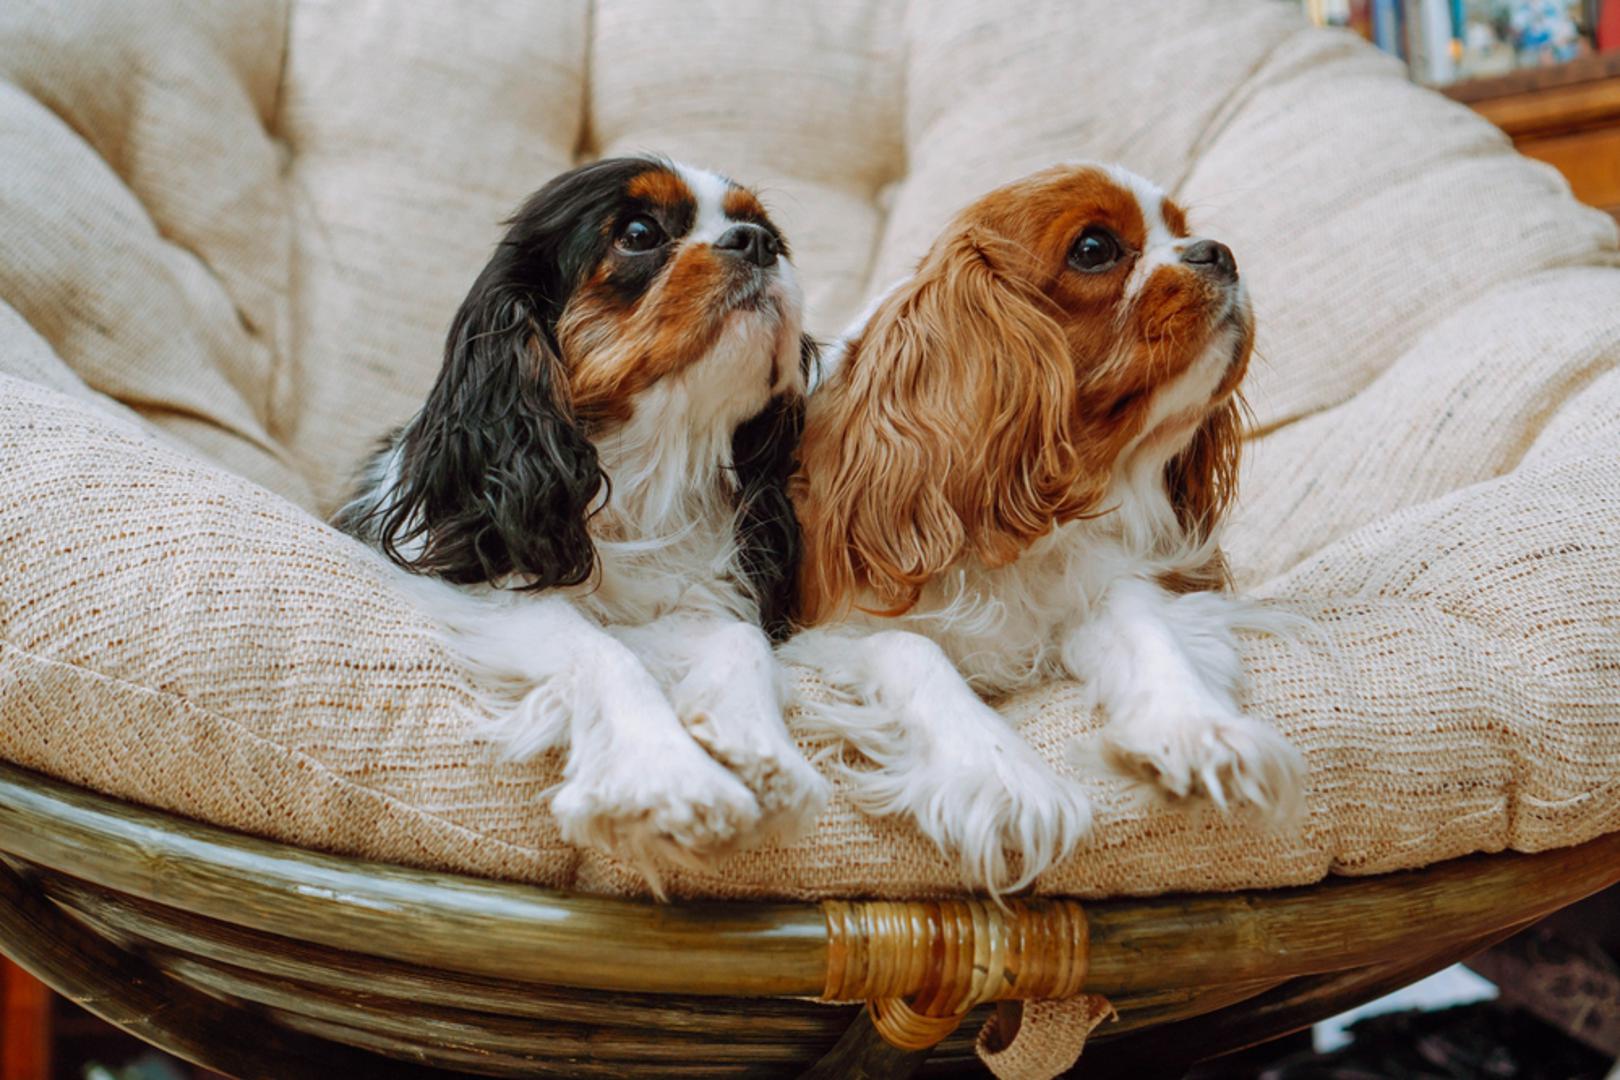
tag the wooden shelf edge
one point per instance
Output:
(1587, 69)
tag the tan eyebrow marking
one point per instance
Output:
(659, 187)
(1175, 219)
(741, 204)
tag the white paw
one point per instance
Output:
(788, 789)
(1003, 798)
(735, 713)
(1221, 755)
(977, 798)
(936, 753)
(666, 801)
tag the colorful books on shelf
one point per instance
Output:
(1607, 24)
(1443, 41)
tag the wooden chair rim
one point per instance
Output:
(507, 930)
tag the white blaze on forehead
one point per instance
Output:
(1160, 246)
(771, 336)
(709, 191)
(1149, 196)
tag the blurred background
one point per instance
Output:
(1546, 71)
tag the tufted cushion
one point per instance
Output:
(234, 235)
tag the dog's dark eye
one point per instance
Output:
(1095, 251)
(640, 233)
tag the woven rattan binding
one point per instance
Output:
(922, 965)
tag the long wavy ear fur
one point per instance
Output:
(764, 453)
(1202, 479)
(1202, 482)
(948, 432)
(497, 477)
(494, 477)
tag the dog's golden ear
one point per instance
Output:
(1202, 479)
(946, 433)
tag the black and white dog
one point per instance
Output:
(593, 504)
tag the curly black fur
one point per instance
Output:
(496, 475)
(764, 452)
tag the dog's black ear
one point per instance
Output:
(495, 476)
(764, 452)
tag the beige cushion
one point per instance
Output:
(234, 235)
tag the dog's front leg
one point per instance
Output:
(1165, 668)
(728, 691)
(636, 784)
(941, 755)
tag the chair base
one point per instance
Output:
(260, 960)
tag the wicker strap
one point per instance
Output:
(923, 964)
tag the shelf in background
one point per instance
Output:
(1585, 69)
(1567, 116)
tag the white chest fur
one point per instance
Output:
(691, 569)
(1003, 627)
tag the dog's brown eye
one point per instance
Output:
(640, 233)
(1095, 251)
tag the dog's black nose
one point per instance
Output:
(1211, 257)
(752, 242)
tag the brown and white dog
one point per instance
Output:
(1015, 467)
(594, 502)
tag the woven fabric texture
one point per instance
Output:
(234, 235)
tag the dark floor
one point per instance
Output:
(1474, 1042)
(1487, 1041)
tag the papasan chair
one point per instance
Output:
(241, 814)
